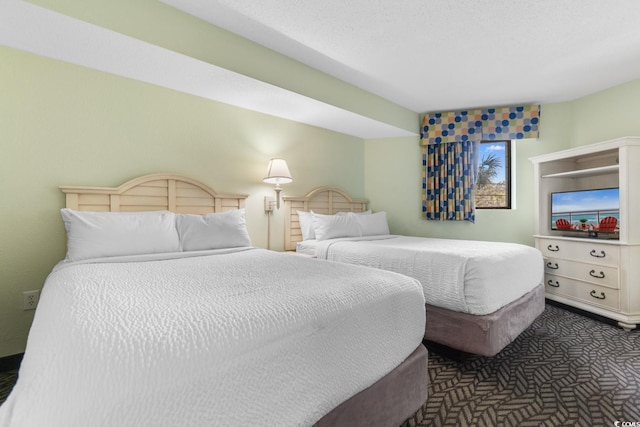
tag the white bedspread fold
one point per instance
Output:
(476, 277)
(244, 338)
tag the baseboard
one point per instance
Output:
(10, 363)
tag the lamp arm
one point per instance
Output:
(278, 189)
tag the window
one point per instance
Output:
(493, 184)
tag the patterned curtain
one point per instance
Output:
(450, 144)
(448, 181)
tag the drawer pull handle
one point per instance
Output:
(554, 285)
(552, 266)
(553, 248)
(593, 253)
(592, 273)
(595, 295)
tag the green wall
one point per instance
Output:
(607, 114)
(62, 124)
(393, 167)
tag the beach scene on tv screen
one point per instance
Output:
(584, 210)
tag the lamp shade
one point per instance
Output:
(278, 172)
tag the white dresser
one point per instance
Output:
(597, 275)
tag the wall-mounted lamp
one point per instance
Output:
(277, 173)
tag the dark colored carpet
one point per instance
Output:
(564, 370)
(7, 380)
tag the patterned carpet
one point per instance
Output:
(565, 370)
(7, 380)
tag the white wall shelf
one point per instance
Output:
(602, 170)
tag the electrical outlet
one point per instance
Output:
(30, 300)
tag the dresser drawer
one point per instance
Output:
(586, 292)
(588, 251)
(602, 275)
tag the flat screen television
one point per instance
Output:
(593, 213)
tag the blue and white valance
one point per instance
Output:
(480, 125)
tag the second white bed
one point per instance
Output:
(474, 277)
(480, 296)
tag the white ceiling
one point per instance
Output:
(435, 55)
(426, 55)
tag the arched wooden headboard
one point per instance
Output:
(323, 200)
(161, 191)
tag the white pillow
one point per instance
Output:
(334, 226)
(374, 224)
(213, 231)
(306, 225)
(104, 234)
(306, 222)
(355, 213)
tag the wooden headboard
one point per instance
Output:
(323, 200)
(162, 191)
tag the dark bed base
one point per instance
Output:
(484, 335)
(388, 402)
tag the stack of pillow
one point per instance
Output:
(107, 234)
(316, 226)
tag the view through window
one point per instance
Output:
(493, 185)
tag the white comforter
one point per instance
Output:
(475, 277)
(244, 338)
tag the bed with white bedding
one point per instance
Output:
(458, 275)
(479, 295)
(231, 335)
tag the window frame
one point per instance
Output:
(508, 177)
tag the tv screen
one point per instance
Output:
(595, 210)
